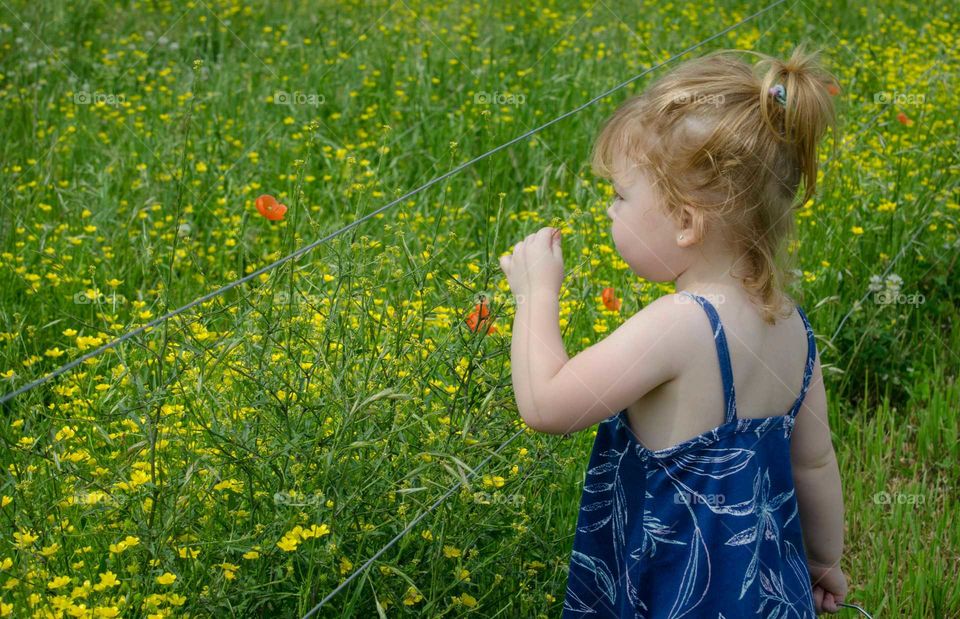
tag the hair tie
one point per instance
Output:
(779, 94)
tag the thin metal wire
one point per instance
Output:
(303, 250)
(863, 612)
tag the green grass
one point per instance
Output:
(344, 389)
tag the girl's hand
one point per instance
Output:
(829, 586)
(536, 264)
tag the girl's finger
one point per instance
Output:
(555, 246)
(829, 604)
(818, 599)
(548, 235)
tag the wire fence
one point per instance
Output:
(307, 248)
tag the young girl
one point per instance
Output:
(714, 491)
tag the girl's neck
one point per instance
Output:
(709, 276)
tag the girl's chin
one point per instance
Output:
(653, 272)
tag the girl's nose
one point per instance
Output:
(610, 211)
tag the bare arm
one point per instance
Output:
(536, 352)
(817, 477)
(520, 352)
(568, 395)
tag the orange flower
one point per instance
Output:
(270, 208)
(904, 119)
(833, 89)
(480, 317)
(610, 300)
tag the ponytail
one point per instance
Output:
(802, 120)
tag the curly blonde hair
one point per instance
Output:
(713, 137)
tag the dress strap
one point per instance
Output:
(808, 366)
(723, 355)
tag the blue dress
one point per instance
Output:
(706, 528)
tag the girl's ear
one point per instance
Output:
(688, 232)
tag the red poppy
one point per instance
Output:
(904, 119)
(480, 317)
(610, 300)
(833, 89)
(270, 208)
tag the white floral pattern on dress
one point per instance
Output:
(642, 552)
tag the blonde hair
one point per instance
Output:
(713, 137)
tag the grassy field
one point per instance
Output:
(249, 455)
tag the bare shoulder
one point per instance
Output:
(647, 350)
(667, 325)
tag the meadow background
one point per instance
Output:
(248, 456)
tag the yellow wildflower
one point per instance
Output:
(451, 552)
(166, 578)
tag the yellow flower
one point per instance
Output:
(468, 600)
(289, 544)
(316, 531)
(59, 581)
(106, 611)
(49, 551)
(176, 600)
(24, 539)
(491, 481)
(856, 230)
(128, 542)
(345, 565)
(252, 554)
(412, 596)
(166, 578)
(230, 484)
(451, 552)
(107, 579)
(229, 570)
